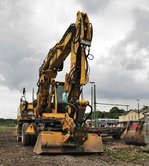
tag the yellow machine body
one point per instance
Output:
(56, 142)
(59, 123)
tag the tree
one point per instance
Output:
(115, 112)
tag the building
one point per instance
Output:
(132, 115)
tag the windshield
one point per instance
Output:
(61, 95)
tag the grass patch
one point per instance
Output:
(124, 155)
(5, 128)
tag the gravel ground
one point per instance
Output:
(115, 153)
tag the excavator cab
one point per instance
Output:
(62, 98)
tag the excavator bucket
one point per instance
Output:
(56, 142)
(134, 133)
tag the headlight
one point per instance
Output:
(33, 117)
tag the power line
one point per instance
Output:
(126, 105)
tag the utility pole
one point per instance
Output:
(93, 102)
(138, 109)
(127, 107)
(95, 120)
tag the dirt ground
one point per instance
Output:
(115, 153)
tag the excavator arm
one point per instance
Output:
(75, 42)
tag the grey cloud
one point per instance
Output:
(14, 44)
(134, 49)
(20, 58)
(120, 85)
(93, 6)
(118, 73)
(21, 46)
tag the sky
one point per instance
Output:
(28, 29)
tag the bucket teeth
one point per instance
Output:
(134, 133)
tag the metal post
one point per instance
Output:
(92, 103)
(127, 107)
(95, 105)
(138, 110)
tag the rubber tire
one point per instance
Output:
(19, 131)
(32, 140)
(25, 138)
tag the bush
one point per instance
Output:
(8, 122)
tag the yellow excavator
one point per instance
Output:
(55, 121)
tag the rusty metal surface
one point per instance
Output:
(46, 144)
(107, 131)
(134, 133)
